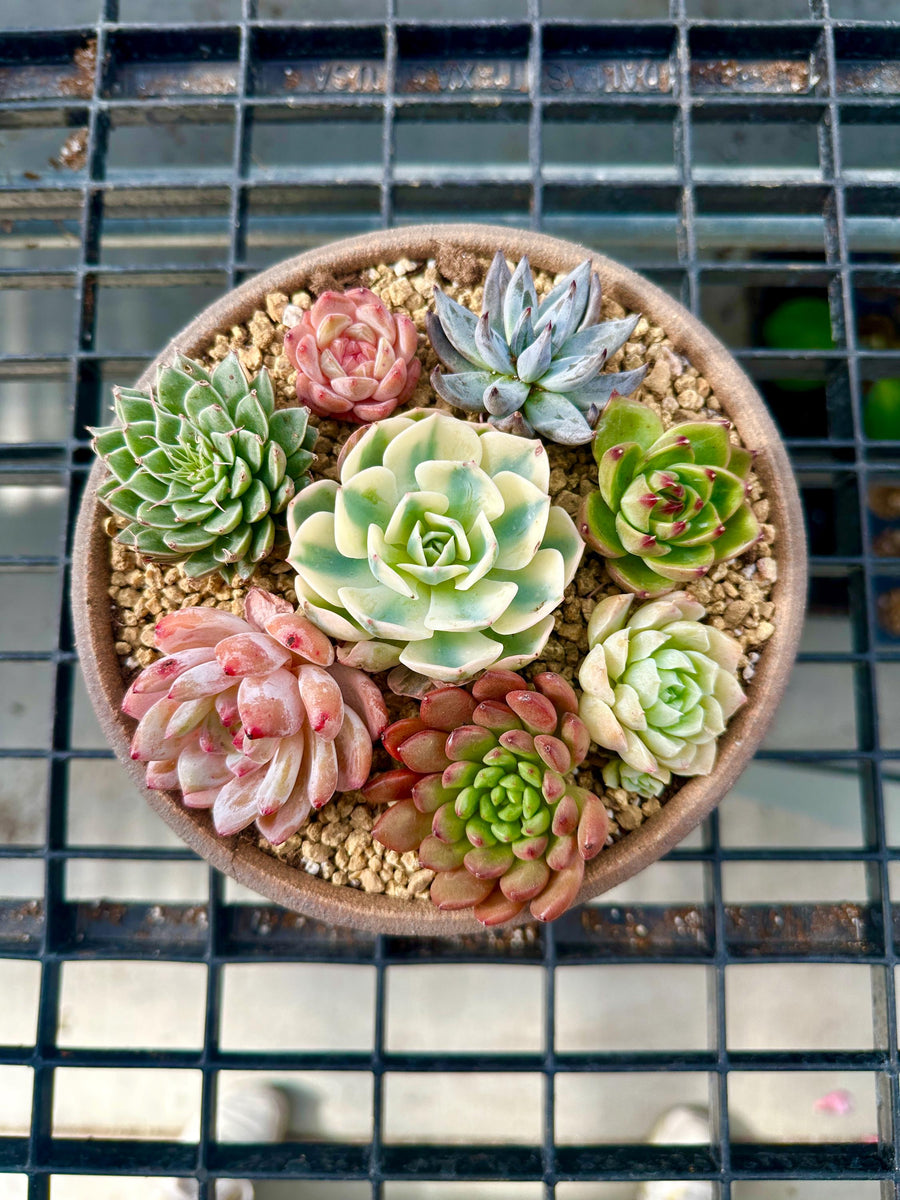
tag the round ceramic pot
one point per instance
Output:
(292, 887)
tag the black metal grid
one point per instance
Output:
(691, 224)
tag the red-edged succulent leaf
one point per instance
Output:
(460, 774)
(562, 852)
(489, 862)
(429, 794)
(402, 827)
(593, 826)
(493, 685)
(573, 732)
(149, 740)
(554, 752)
(559, 893)
(447, 708)
(206, 679)
(301, 637)
(423, 751)
(525, 880)
(528, 848)
(363, 695)
(250, 654)
(322, 700)
(191, 627)
(353, 747)
(162, 775)
(469, 743)
(521, 742)
(496, 716)
(535, 711)
(438, 856)
(553, 786)
(446, 825)
(453, 890)
(390, 785)
(558, 690)
(269, 705)
(497, 909)
(160, 675)
(397, 733)
(261, 606)
(136, 704)
(565, 815)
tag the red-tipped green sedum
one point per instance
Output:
(486, 797)
(670, 502)
(251, 717)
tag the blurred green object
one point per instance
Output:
(881, 415)
(803, 323)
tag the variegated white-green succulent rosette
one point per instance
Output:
(660, 687)
(439, 549)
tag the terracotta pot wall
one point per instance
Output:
(303, 893)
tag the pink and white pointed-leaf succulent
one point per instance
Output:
(355, 359)
(251, 717)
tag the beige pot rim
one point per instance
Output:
(313, 897)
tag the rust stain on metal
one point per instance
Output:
(868, 78)
(81, 82)
(789, 75)
(73, 152)
(33, 81)
(649, 929)
(800, 928)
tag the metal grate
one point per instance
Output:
(215, 137)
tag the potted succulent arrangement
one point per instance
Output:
(439, 578)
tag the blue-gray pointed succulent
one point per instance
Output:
(203, 467)
(531, 367)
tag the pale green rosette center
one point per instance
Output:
(439, 549)
(658, 688)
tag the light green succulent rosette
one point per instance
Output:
(438, 549)
(618, 774)
(202, 467)
(659, 688)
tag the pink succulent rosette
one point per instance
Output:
(252, 717)
(355, 359)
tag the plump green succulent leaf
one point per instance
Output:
(534, 361)
(443, 348)
(459, 325)
(599, 339)
(495, 284)
(465, 390)
(598, 525)
(741, 531)
(626, 421)
(501, 397)
(555, 418)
